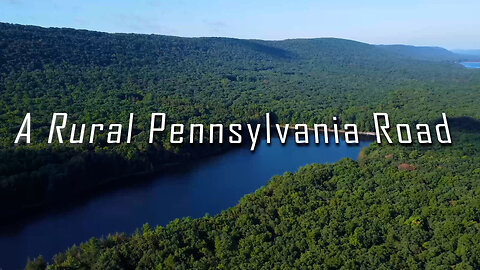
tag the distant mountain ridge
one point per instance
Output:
(467, 52)
(421, 53)
(469, 55)
(39, 46)
(431, 53)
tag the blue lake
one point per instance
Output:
(470, 64)
(207, 186)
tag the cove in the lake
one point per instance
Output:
(470, 64)
(207, 186)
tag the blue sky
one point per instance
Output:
(451, 24)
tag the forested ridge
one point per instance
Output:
(101, 78)
(427, 53)
(418, 208)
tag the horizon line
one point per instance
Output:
(232, 37)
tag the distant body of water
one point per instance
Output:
(207, 186)
(470, 64)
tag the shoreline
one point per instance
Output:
(120, 180)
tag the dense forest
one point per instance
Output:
(101, 78)
(397, 207)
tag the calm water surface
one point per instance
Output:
(208, 186)
(470, 64)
